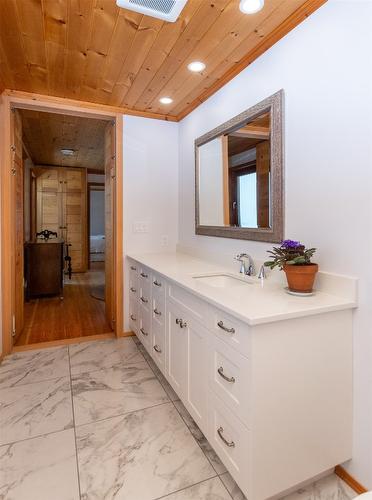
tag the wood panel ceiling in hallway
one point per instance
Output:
(91, 50)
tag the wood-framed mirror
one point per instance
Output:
(239, 175)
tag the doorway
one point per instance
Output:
(50, 192)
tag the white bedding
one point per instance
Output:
(97, 243)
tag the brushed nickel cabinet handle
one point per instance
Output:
(144, 300)
(228, 379)
(133, 268)
(143, 332)
(157, 283)
(178, 321)
(132, 289)
(144, 275)
(230, 444)
(157, 348)
(183, 324)
(158, 313)
(224, 328)
(133, 318)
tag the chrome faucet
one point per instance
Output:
(247, 264)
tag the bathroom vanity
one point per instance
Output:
(266, 376)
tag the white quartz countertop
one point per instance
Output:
(263, 301)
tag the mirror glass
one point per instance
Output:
(234, 174)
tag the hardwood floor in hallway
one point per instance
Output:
(77, 315)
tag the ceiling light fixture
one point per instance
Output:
(251, 6)
(166, 100)
(196, 66)
(68, 152)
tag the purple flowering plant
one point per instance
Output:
(291, 253)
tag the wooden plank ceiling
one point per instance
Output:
(45, 134)
(91, 50)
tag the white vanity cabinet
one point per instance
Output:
(273, 399)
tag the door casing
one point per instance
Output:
(54, 105)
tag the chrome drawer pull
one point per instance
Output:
(143, 332)
(133, 268)
(183, 324)
(133, 318)
(133, 289)
(157, 348)
(144, 300)
(144, 275)
(230, 444)
(158, 313)
(228, 379)
(156, 283)
(224, 328)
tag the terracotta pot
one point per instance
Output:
(301, 278)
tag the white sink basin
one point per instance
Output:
(223, 280)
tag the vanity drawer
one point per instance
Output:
(230, 439)
(145, 296)
(158, 345)
(133, 270)
(133, 315)
(158, 310)
(229, 377)
(229, 329)
(192, 304)
(144, 333)
(158, 285)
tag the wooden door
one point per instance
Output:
(74, 208)
(18, 230)
(49, 200)
(110, 180)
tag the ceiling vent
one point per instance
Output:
(168, 10)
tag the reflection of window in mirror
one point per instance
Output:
(248, 153)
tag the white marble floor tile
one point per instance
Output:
(33, 409)
(34, 366)
(113, 391)
(43, 468)
(328, 488)
(91, 356)
(212, 489)
(143, 455)
(200, 438)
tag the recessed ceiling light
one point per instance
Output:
(251, 6)
(196, 66)
(68, 152)
(166, 100)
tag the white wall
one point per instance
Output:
(324, 67)
(211, 183)
(97, 212)
(150, 157)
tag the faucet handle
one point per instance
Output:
(262, 273)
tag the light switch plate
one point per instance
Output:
(140, 227)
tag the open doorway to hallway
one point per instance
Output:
(64, 220)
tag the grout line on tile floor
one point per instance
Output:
(185, 488)
(36, 437)
(74, 426)
(122, 365)
(122, 414)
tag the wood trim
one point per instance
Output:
(267, 42)
(30, 99)
(55, 105)
(127, 334)
(349, 480)
(56, 343)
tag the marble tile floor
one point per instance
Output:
(98, 421)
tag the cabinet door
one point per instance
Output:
(177, 350)
(75, 216)
(197, 373)
(49, 201)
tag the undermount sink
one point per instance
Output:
(223, 280)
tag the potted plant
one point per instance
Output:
(295, 260)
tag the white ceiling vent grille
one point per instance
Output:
(168, 10)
